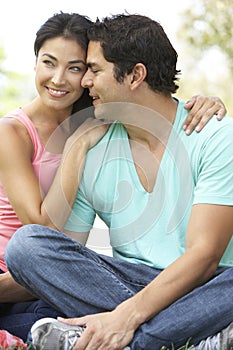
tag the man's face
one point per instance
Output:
(99, 78)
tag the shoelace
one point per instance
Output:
(69, 338)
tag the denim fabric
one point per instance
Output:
(78, 281)
(19, 317)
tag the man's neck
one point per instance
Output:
(152, 121)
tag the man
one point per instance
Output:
(166, 198)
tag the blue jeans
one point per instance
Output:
(78, 281)
(17, 318)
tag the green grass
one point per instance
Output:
(187, 346)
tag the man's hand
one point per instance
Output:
(202, 109)
(107, 330)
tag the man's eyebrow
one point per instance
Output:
(91, 64)
(70, 62)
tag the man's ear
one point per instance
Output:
(138, 75)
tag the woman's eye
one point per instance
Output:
(75, 69)
(48, 63)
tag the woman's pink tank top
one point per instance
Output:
(45, 165)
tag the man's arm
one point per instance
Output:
(209, 232)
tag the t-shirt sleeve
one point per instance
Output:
(82, 216)
(215, 172)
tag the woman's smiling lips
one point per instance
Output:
(57, 93)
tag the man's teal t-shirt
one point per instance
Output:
(150, 228)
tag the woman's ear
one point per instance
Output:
(138, 75)
(35, 64)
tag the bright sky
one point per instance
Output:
(19, 21)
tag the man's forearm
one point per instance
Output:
(12, 292)
(173, 283)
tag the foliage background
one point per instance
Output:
(206, 33)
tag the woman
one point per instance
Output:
(28, 188)
(27, 169)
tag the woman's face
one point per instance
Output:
(60, 66)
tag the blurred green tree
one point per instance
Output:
(206, 32)
(207, 24)
(15, 89)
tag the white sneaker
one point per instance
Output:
(51, 334)
(221, 341)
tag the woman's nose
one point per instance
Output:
(58, 77)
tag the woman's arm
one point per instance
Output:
(12, 292)
(202, 109)
(21, 184)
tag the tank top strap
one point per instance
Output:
(21, 116)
